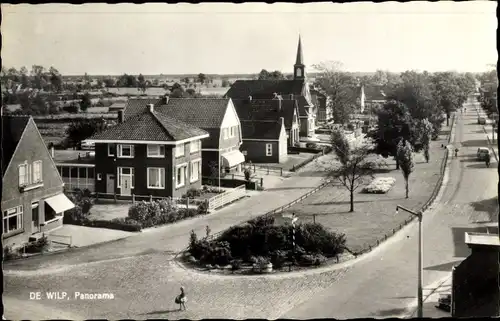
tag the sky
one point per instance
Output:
(223, 38)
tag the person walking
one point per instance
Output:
(456, 152)
(181, 299)
(488, 159)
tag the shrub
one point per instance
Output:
(239, 239)
(38, 246)
(306, 259)
(278, 258)
(192, 193)
(319, 259)
(155, 213)
(260, 221)
(350, 127)
(247, 173)
(236, 264)
(312, 146)
(10, 254)
(314, 238)
(203, 207)
(123, 224)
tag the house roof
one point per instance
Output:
(264, 89)
(135, 106)
(12, 130)
(201, 112)
(266, 109)
(150, 126)
(260, 129)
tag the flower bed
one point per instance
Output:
(380, 185)
(260, 246)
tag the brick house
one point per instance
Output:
(149, 153)
(264, 141)
(295, 89)
(271, 110)
(217, 116)
(33, 201)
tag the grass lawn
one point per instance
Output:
(374, 214)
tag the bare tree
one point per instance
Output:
(340, 87)
(406, 162)
(354, 164)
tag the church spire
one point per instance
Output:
(299, 67)
(300, 59)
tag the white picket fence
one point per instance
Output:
(227, 197)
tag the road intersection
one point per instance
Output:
(142, 274)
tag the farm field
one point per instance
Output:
(374, 214)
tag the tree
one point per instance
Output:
(83, 129)
(225, 83)
(394, 123)
(425, 131)
(274, 75)
(142, 83)
(25, 82)
(55, 79)
(447, 92)
(202, 78)
(405, 158)
(186, 80)
(86, 102)
(341, 89)
(109, 82)
(354, 164)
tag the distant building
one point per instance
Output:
(295, 89)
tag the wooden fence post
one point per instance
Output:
(267, 170)
(151, 198)
(281, 171)
(314, 218)
(133, 199)
(187, 202)
(262, 182)
(114, 195)
(97, 196)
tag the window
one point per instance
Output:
(91, 172)
(13, 219)
(156, 151)
(156, 177)
(224, 133)
(125, 171)
(126, 151)
(180, 176)
(37, 172)
(195, 146)
(111, 150)
(65, 171)
(23, 175)
(99, 177)
(179, 150)
(231, 133)
(82, 172)
(269, 149)
(195, 170)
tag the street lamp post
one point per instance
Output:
(420, 259)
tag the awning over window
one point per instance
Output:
(233, 158)
(60, 203)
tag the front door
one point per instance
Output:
(110, 184)
(35, 226)
(126, 180)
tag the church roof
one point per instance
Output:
(300, 56)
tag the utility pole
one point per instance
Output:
(420, 259)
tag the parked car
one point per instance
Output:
(483, 153)
(481, 121)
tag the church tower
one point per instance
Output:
(299, 67)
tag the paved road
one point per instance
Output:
(139, 270)
(384, 283)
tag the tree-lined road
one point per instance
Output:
(384, 283)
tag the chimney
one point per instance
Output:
(121, 116)
(52, 151)
(165, 99)
(151, 108)
(279, 105)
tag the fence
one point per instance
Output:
(65, 237)
(227, 197)
(253, 184)
(264, 168)
(150, 198)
